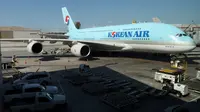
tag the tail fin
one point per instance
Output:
(67, 19)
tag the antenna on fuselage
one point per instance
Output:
(187, 28)
(192, 30)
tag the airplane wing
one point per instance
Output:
(55, 36)
(95, 44)
(28, 40)
(98, 45)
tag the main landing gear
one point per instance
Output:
(178, 56)
(179, 61)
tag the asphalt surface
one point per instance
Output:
(136, 68)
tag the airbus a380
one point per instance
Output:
(140, 37)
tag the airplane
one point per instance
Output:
(148, 37)
(55, 36)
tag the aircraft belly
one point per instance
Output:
(104, 48)
(160, 48)
(144, 48)
(141, 46)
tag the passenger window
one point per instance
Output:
(43, 99)
(184, 34)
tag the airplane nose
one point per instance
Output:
(189, 42)
(192, 45)
(189, 48)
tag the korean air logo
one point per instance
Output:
(67, 20)
(113, 34)
(129, 34)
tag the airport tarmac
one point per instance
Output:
(134, 67)
(131, 67)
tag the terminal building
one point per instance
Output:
(18, 32)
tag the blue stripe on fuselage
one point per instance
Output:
(129, 34)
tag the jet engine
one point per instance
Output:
(81, 50)
(34, 47)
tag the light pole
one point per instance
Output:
(1, 75)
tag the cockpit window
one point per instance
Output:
(184, 34)
(180, 35)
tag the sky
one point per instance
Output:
(47, 15)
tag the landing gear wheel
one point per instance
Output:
(183, 56)
(178, 94)
(178, 57)
(173, 58)
(165, 88)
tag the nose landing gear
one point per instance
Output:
(179, 61)
(178, 56)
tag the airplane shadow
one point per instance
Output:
(90, 102)
(88, 59)
(43, 57)
(66, 79)
(49, 58)
(39, 56)
(21, 67)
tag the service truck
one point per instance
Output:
(171, 80)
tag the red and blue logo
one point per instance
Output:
(129, 34)
(67, 20)
(113, 34)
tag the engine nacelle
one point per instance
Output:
(80, 49)
(34, 47)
